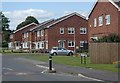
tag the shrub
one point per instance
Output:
(110, 38)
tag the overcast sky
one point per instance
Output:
(18, 11)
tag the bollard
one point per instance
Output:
(84, 59)
(50, 62)
(81, 59)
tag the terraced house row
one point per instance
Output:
(72, 31)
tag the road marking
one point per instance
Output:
(46, 68)
(21, 74)
(89, 77)
(42, 66)
(7, 69)
(44, 71)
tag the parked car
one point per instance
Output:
(61, 51)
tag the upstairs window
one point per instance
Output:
(107, 18)
(100, 21)
(27, 34)
(95, 22)
(71, 30)
(11, 36)
(61, 30)
(24, 35)
(42, 33)
(83, 31)
(38, 33)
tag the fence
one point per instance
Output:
(104, 53)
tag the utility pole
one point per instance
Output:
(74, 42)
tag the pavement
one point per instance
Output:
(90, 73)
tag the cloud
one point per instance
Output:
(18, 16)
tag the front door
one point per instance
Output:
(61, 44)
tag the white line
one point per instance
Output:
(7, 69)
(46, 68)
(89, 77)
(42, 66)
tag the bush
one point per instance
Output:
(110, 38)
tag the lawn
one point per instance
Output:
(75, 61)
(68, 60)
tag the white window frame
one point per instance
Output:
(38, 33)
(72, 30)
(71, 43)
(95, 22)
(100, 20)
(84, 30)
(82, 42)
(11, 36)
(107, 18)
(61, 30)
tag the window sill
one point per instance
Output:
(100, 25)
(107, 24)
(71, 46)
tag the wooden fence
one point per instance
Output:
(104, 53)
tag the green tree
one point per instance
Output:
(5, 31)
(4, 22)
(27, 21)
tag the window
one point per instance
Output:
(11, 36)
(107, 18)
(24, 35)
(95, 22)
(71, 43)
(82, 43)
(27, 34)
(61, 30)
(42, 44)
(38, 33)
(38, 45)
(71, 30)
(100, 21)
(83, 31)
(42, 33)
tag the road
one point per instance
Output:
(16, 69)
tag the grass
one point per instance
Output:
(68, 60)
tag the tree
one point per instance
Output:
(4, 22)
(27, 21)
(5, 32)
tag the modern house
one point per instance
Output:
(104, 19)
(16, 37)
(69, 31)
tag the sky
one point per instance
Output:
(42, 11)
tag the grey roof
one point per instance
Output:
(117, 2)
(51, 22)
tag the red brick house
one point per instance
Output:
(16, 37)
(69, 31)
(104, 18)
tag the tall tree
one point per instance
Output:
(5, 31)
(27, 21)
(4, 22)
